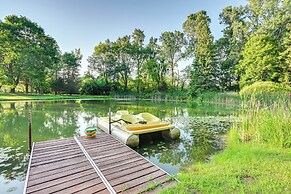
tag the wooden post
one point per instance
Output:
(109, 121)
(29, 132)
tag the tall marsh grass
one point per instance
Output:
(266, 121)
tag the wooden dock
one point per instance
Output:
(98, 165)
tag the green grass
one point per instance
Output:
(241, 168)
(18, 97)
(257, 158)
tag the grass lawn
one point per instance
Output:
(15, 97)
(241, 168)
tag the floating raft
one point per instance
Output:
(85, 165)
(128, 128)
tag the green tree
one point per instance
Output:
(285, 58)
(229, 47)
(155, 68)
(72, 63)
(172, 44)
(260, 62)
(122, 51)
(103, 61)
(270, 17)
(58, 85)
(262, 10)
(27, 52)
(203, 76)
(138, 53)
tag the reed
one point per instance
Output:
(266, 121)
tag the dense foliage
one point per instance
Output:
(264, 88)
(255, 46)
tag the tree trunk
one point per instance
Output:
(26, 86)
(12, 90)
(12, 106)
(172, 76)
(138, 77)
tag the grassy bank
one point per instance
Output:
(241, 168)
(216, 98)
(257, 158)
(18, 96)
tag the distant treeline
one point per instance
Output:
(255, 46)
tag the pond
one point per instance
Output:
(202, 127)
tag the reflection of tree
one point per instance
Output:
(200, 139)
(13, 162)
(13, 157)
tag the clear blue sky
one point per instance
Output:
(85, 23)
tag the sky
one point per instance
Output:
(85, 23)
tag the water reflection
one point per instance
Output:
(200, 138)
(200, 126)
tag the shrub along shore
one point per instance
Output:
(257, 157)
(158, 96)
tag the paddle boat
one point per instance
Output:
(127, 128)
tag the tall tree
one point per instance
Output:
(260, 61)
(103, 61)
(203, 72)
(154, 70)
(71, 64)
(122, 50)
(172, 44)
(138, 53)
(229, 47)
(261, 11)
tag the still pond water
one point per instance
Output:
(202, 127)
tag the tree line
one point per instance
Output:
(255, 46)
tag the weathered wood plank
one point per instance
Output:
(47, 173)
(103, 147)
(56, 156)
(94, 189)
(114, 158)
(143, 186)
(128, 171)
(84, 184)
(134, 182)
(56, 151)
(56, 160)
(127, 164)
(42, 179)
(56, 146)
(51, 142)
(110, 153)
(56, 165)
(60, 182)
(134, 175)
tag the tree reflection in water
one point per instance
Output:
(200, 138)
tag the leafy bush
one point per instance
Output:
(96, 87)
(264, 88)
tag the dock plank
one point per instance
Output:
(58, 171)
(90, 166)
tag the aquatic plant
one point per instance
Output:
(266, 122)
